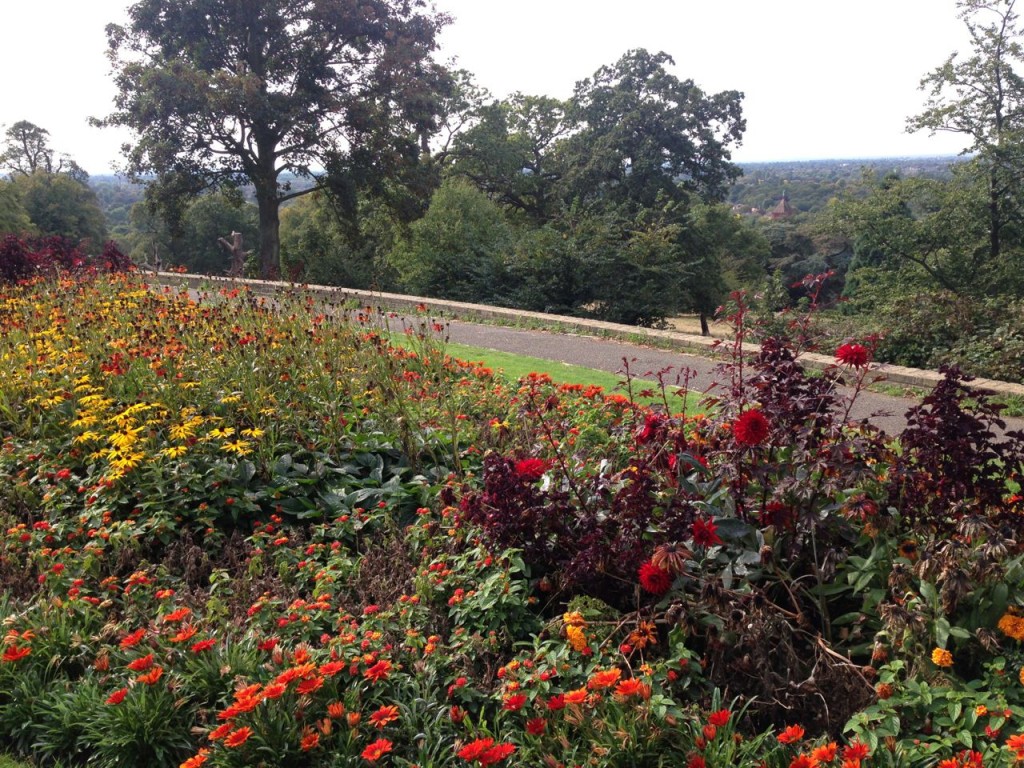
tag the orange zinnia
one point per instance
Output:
(604, 679)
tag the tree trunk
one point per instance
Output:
(268, 202)
(704, 329)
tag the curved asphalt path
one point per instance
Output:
(885, 411)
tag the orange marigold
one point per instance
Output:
(942, 658)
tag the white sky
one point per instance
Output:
(821, 78)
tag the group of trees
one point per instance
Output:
(342, 152)
(46, 193)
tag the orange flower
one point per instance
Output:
(825, 753)
(151, 677)
(1016, 744)
(187, 632)
(386, 714)
(310, 685)
(274, 691)
(353, 718)
(791, 734)
(310, 740)
(141, 664)
(117, 696)
(632, 687)
(376, 750)
(133, 638)
(196, 760)
(942, 658)
(220, 732)
(604, 679)
(176, 616)
(14, 653)
(576, 697)
(378, 671)
(238, 738)
(336, 710)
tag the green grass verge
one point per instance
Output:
(10, 762)
(514, 367)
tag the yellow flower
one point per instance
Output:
(942, 658)
(174, 451)
(239, 447)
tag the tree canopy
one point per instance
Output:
(220, 91)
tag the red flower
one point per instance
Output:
(655, 580)
(854, 355)
(376, 750)
(133, 639)
(117, 696)
(14, 653)
(531, 469)
(803, 761)
(141, 664)
(514, 702)
(378, 671)
(203, 645)
(536, 726)
(751, 428)
(791, 734)
(485, 751)
(855, 750)
(719, 718)
(152, 677)
(705, 533)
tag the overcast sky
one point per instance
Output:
(821, 78)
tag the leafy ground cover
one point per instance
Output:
(235, 536)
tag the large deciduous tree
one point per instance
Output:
(981, 96)
(224, 91)
(643, 136)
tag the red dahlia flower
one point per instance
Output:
(751, 428)
(531, 469)
(655, 580)
(854, 355)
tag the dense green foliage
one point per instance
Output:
(235, 536)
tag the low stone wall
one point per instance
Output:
(683, 342)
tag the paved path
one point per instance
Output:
(886, 411)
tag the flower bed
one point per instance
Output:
(236, 536)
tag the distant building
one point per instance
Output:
(783, 210)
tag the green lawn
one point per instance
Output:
(515, 367)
